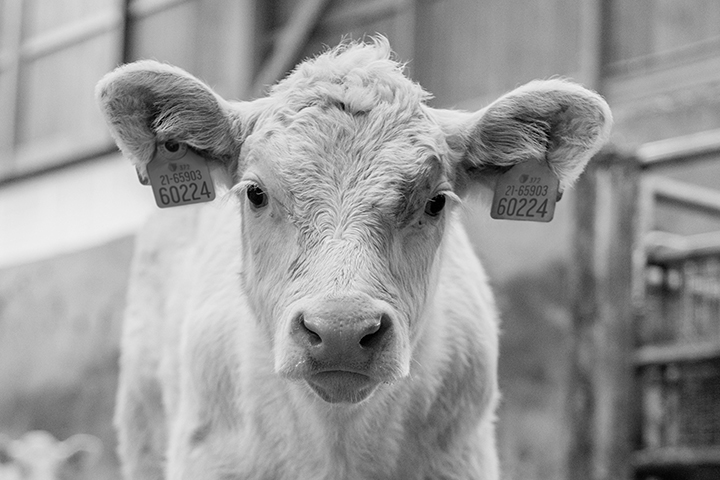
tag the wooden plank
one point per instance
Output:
(646, 211)
(180, 36)
(663, 247)
(145, 8)
(56, 97)
(361, 13)
(42, 157)
(51, 157)
(682, 23)
(70, 34)
(669, 457)
(600, 403)
(41, 16)
(678, 150)
(687, 195)
(669, 78)
(290, 43)
(10, 28)
(647, 34)
(664, 354)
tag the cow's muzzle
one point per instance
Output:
(345, 346)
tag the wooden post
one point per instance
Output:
(11, 37)
(600, 403)
(290, 43)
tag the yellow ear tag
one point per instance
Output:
(528, 191)
(179, 176)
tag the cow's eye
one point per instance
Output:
(435, 205)
(257, 196)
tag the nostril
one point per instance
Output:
(312, 336)
(376, 333)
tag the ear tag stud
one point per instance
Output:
(179, 176)
(528, 191)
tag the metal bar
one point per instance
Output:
(290, 43)
(664, 354)
(700, 49)
(698, 146)
(687, 195)
(662, 247)
(689, 74)
(669, 457)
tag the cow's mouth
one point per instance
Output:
(338, 386)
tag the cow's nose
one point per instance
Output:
(341, 339)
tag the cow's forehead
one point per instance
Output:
(347, 136)
(348, 122)
(358, 77)
(342, 144)
(377, 157)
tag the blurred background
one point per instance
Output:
(610, 356)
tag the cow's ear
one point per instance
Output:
(551, 121)
(147, 103)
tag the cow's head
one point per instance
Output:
(345, 181)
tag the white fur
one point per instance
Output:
(37, 455)
(213, 376)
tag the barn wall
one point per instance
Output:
(468, 49)
(662, 69)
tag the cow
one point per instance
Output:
(38, 455)
(325, 317)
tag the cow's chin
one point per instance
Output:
(339, 386)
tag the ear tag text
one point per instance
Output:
(179, 176)
(528, 191)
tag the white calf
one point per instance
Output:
(37, 455)
(328, 319)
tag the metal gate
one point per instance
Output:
(646, 377)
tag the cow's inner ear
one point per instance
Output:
(554, 121)
(148, 103)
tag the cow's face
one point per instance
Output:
(345, 181)
(343, 211)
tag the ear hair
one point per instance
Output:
(555, 121)
(148, 102)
